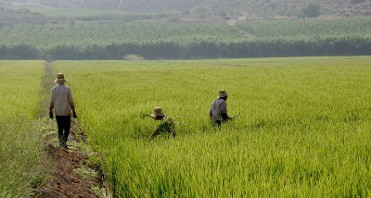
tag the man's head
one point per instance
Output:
(223, 95)
(60, 79)
(158, 114)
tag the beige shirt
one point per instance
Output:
(61, 100)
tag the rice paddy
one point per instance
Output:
(303, 130)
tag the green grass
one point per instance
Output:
(21, 153)
(304, 128)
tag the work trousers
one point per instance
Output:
(64, 125)
(218, 123)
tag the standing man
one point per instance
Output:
(218, 110)
(61, 100)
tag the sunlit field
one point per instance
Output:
(304, 127)
(21, 153)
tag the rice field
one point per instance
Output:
(303, 130)
(21, 154)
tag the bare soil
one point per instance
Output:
(64, 180)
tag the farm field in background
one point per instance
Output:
(308, 28)
(105, 33)
(165, 40)
(85, 35)
(304, 126)
(21, 153)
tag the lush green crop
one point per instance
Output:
(308, 28)
(304, 128)
(21, 153)
(116, 40)
(84, 35)
(102, 34)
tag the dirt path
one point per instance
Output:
(71, 175)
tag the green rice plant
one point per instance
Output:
(21, 152)
(303, 130)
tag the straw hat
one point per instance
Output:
(60, 78)
(157, 112)
(223, 94)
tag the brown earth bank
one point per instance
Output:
(64, 180)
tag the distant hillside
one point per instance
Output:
(198, 10)
(250, 8)
(9, 16)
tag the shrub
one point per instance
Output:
(133, 57)
(310, 10)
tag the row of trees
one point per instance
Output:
(347, 45)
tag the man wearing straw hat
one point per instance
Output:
(218, 110)
(167, 125)
(61, 100)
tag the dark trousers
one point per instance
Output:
(217, 123)
(64, 125)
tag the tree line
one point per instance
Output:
(326, 46)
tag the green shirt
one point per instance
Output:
(166, 125)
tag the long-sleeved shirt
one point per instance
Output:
(61, 100)
(218, 110)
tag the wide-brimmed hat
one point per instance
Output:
(223, 94)
(157, 112)
(60, 78)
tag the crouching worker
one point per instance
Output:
(218, 110)
(166, 126)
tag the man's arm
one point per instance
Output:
(72, 103)
(51, 105)
(51, 102)
(223, 111)
(71, 100)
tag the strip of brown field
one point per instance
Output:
(65, 177)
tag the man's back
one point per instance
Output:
(62, 100)
(218, 107)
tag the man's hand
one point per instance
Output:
(74, 115)
(145, 115)
(51, 115)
